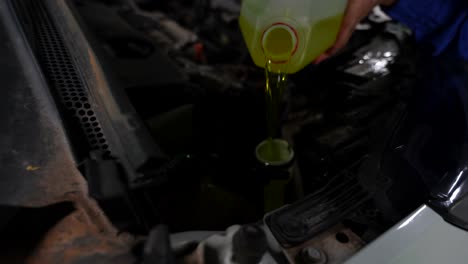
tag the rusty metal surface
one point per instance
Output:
(80, 238)
(37, 166)
(335, 251)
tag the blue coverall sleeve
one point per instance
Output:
(438, 23)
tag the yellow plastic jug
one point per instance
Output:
(292, 32)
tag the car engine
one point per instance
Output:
(189, 77)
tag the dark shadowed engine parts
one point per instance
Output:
(186, 71)
(188, 76)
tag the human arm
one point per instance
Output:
(436, 23)
(355, 11)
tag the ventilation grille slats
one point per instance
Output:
(60, 70)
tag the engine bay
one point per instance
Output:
(189, 77)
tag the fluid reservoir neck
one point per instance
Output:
(279, 42)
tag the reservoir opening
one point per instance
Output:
(279, 42)
(274, 152)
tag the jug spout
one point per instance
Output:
(293, 32)
(280, 42)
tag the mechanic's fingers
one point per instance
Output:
(321, 58)
(346, 30)
(356, 10)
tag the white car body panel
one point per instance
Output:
(421, 238)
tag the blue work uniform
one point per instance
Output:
(437, 142)
(439, 24)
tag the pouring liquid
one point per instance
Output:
(276, 82)
(273, 152)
